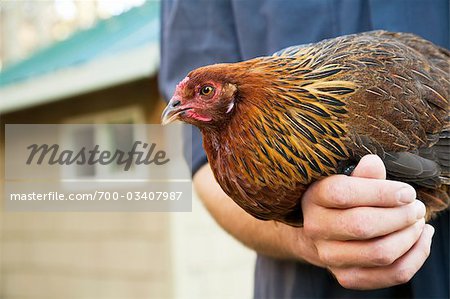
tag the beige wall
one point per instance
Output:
(117, 255)
(85, 255)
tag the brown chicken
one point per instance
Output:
(272, 125)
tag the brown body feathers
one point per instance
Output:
(309, 111)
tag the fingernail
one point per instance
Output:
(406, 194)
(432, 230)
(420, 209)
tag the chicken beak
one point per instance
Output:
(171, 112)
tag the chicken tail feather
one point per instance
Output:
(435, 200)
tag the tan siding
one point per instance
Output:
(87, 255)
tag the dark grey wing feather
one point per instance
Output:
(442, 152)
(409, 167)
(424, 167)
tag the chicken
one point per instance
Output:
(273, 125)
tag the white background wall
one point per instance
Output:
(208, 263)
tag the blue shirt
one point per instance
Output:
(201, 32)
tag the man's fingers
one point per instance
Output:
(401, 271)
(340, 191)
(361, 223)
(370, 167)
(376, 252)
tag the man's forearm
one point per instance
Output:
(265, 237)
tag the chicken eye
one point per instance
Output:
(206, 90)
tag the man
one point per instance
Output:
(377, 240)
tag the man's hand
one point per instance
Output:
(369, 232)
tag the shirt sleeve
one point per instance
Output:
(194, 33)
